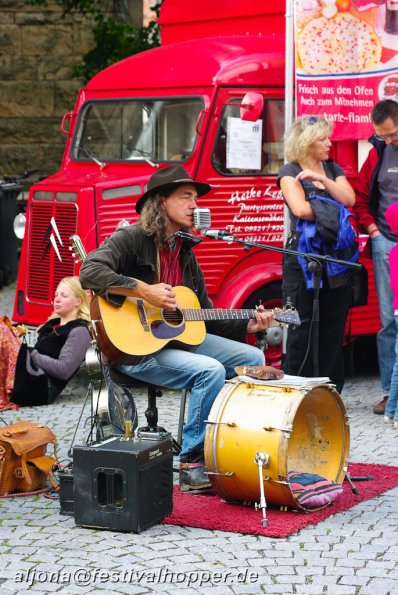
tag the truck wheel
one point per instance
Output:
(269, 296)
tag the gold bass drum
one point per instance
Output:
(302, 430)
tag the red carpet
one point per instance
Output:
(209, 512)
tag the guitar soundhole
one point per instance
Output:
(173, 317)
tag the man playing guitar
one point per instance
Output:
(146, 261)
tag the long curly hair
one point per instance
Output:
(153, 218)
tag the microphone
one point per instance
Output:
(201, 219)
(219, 234)
(201, 222)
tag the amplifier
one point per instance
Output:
(123, 485)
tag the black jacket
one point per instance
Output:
(129, 253)
(374, 192)
(36, 385)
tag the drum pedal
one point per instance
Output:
(262, 460)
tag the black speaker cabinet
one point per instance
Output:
(123, 485)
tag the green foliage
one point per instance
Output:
(115, 38)
(114, 41)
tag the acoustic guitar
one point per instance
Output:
(136, 330)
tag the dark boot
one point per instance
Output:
(193, 477)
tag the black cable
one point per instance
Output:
(70, 453)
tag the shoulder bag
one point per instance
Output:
(24, 464)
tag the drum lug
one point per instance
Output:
(287, 429)
(230, 424)
(227, 474)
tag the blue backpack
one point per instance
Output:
(330, 234)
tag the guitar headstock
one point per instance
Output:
(77, 248)
(288, 316)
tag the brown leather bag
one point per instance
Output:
(260, 372)
(24, 464)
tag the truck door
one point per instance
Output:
(241, 161)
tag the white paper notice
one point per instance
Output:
(244, 144)
(297, 382)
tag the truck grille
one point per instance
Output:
(110, 214)
(45, 270)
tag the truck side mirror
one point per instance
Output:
(66, 122)
(251, 107)
(200, 119)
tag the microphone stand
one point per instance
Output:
(184, 236)
(314, 266)
(229, 237)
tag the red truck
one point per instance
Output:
(180, 103)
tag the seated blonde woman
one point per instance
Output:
(36, 376)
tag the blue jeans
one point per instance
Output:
(392, 404)
(204, 372)
(386, 337)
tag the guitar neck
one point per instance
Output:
(77, 246)
(191, 314)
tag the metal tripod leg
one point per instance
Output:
(262, 460)
(348, 478)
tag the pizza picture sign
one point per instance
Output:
(346, 60)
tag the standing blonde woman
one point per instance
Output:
(37, 376)
(309, 173)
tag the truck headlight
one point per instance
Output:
(19, 226)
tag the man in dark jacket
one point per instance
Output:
(147, 260)
(377, 188)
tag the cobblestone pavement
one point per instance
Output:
(354, 552)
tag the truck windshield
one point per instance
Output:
(137, 130)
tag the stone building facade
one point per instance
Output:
(38, 50)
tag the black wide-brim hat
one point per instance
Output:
(169, 177)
